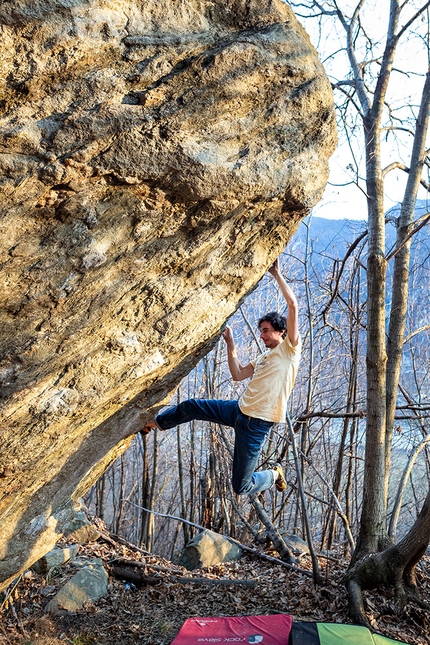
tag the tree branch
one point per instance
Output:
(338, 506)
(331, 415)
(411, 20)
(408, 237)
(397, 165)
(338, 86)
(357, 69)
(401, 488)
(248, 549)
(342, 266)
(417, 331)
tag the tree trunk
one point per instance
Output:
(351, 404)
(120, 506)
(315, 564)
(394, 567)
(100, 496)
(372, 527)
(150, 531)
(144, 498)
(400, 293)
(305, 426)
(185, 527)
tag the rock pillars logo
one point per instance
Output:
(256, 638)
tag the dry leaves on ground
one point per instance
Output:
(153, 615)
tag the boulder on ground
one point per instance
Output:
(89, 584)
(155, 159)
(207, 548)
(296, 544)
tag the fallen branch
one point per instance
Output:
(134, 575)
(144, 565)
(221, 582)
(107, 538)
(114, 539)
(273, 533)
(131, 573)
(247, 549)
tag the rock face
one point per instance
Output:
(155, 158)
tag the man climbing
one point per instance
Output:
(264, 401)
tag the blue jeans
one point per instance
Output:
(250, 434)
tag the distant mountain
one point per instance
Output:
(331, 238)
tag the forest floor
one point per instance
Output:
(153, 614)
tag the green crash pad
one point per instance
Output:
(335, 634)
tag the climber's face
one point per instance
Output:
(270, 337)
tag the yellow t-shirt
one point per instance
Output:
(267, 393)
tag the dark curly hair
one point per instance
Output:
(278, 322)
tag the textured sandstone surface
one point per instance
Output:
(154, 159)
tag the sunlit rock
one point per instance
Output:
(155, 158)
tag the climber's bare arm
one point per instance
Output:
(238, 372)
(293, 309)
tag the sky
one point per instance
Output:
(342, 198)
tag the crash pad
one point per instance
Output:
(335, 634)
(267, 630)
(277, 629)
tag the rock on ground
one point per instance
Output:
(208, 548)
(88, 585)
(81, 529)
(155, 158)
(55, 558)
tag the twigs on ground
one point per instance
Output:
(113, 539)
(250, 584)
(8, 600)
(248, 549)
(8, 603)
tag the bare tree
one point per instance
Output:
(365, 90)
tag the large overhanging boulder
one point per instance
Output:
(155, 158)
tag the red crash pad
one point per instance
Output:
(267, 630)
